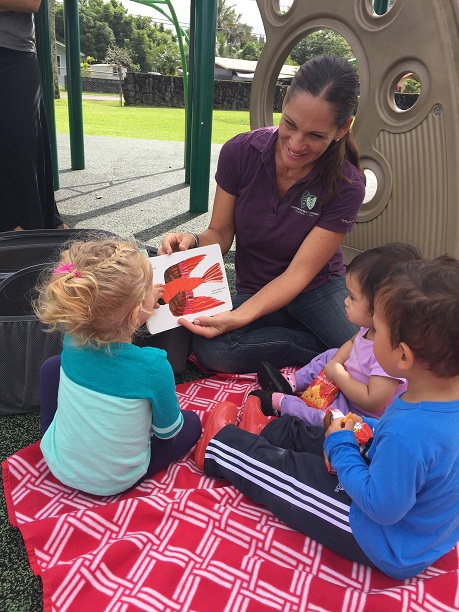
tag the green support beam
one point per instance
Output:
(381, 6)
(47, 81)
(74, 89)
(187, 100)
(202, 99)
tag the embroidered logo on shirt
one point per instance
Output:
(307, 203)
(308, 200)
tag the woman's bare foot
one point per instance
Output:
(18, 229)
(63, 226)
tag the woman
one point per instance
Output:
(289, 195)
(26, 174)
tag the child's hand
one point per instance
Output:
(334, 371)
(339, 424)
(158, 291)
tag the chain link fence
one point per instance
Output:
(105, 80)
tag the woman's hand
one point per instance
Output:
(180, 241)
(209, 327)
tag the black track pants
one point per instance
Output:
(284, 469)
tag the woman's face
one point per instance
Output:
(306, 129)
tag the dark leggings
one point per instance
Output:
(283, 468)
(26, 171)
(163, 452)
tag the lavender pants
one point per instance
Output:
(294, 406)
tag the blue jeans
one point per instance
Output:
(312, 323)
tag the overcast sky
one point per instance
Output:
(247, 8)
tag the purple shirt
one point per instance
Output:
(361, 365)
(269, 232)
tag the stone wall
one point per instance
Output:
(140, 89)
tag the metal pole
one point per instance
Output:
(74, 90)
(381, 6)
(188, 98)
(202, 103)
(43, 43)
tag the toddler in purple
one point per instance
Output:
(365, 388)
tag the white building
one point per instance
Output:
(61, 62)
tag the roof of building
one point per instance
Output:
(246, 68)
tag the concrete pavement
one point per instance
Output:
(130, 187)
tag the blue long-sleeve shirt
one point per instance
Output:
(405, 510)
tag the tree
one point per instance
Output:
(165, 59)
(52, 33)
(118, 57)
(232, 34)
(108, 25)
(250, 51)
(321, 41)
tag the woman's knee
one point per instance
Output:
(214, 354)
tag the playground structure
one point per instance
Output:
(411, 153)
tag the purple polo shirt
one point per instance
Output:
(269, 232)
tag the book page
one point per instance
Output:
(194, 283)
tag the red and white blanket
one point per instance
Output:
(183, 542)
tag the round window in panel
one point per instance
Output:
(402, 92)
(371, 185)
(381, 7)
(322, 41)
(407, 91)
(377, 188)
(281, 7)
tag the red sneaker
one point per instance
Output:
(253, 419)
(223, 414)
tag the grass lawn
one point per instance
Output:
(108, 118)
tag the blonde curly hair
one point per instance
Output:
(94, 289)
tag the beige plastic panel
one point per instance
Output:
(414, 153)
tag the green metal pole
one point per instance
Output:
(47, 79)
(381, 6)
(74, 90)
(188, 105)
(202, 103)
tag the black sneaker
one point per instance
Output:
(271, 379)
(266, 402)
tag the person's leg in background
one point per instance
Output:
(26, 172)
(49, 387)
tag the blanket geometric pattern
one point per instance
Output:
(183, 542)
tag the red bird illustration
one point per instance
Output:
(178, 287)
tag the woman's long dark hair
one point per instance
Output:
(333, 79)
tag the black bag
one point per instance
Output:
(24, 343)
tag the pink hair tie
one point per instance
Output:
(69, 268)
